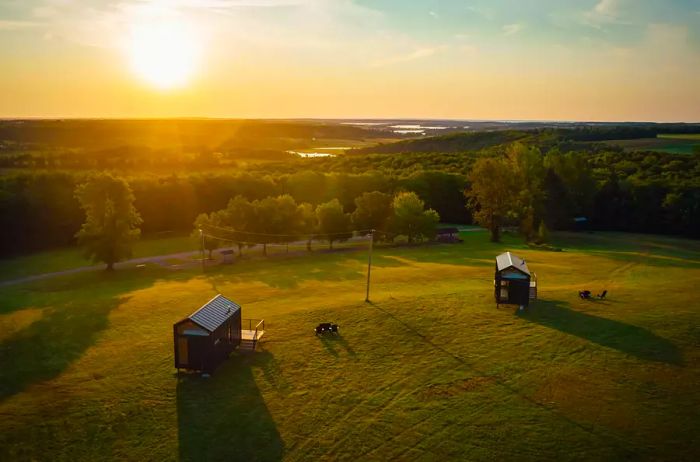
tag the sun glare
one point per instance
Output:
(163, 53)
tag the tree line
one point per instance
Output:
(40, 211)
(538, 192)
(615, 190)
(281, 220)
(112, 222)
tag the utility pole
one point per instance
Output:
(369, 262)
(201, 239)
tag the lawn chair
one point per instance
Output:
(602, 296)
(584, 294)
(326, 327)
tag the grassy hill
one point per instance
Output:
(581, 138)
(455, 142)
(431, 369)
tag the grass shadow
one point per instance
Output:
(625, 338)
(652, 250)
(290, 273)
(69, 326)
(225, 417)
(330, 341)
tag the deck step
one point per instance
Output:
(247, 345)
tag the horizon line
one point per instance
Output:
(348, 119)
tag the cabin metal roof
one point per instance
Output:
(214, 313)
(508, 260)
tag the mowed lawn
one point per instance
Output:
(73, 257)
(430, 370)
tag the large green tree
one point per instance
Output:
(277, 220)
(111, 220)
(528, 172)
(333, 222)
(239, 217)
(308, 222)
(491, 194)
(411, 219)
(206, 229)
(372, 211)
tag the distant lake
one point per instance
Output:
(312, 154)
(415, 129)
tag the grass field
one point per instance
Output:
(72, 257)
(681, 136)
(430, 370)
(672, 144)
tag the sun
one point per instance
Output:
(163, 52)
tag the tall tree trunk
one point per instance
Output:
(495, 229)
(495, 232)
(265, 250)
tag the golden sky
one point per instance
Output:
(499, 59)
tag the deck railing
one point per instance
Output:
(258, 328)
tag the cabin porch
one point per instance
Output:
(250, 336)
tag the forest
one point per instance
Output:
(175, 180)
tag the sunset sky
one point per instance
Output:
(469, 59)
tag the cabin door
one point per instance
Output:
(182, 350)
(196, 346)
(503, 295)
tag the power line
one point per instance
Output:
(251, 233)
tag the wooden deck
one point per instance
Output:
(250, 334)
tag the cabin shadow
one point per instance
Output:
(626, 338)
(224, 417)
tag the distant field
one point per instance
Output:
(672, 144)
(431, 370)
(682, 136)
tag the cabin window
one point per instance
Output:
(504, 290)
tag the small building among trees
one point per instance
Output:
(450, 235)
(513, 282)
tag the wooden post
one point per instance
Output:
(369, 262)
(201, 235)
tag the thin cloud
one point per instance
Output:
(416, 54)
(512, 29)
(605, 12)
(16, 25)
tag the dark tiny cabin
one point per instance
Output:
(227, 255)
(581, 224)
(206, 338)
(447, 235)
(513, 283)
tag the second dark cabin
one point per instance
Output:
(513, 282)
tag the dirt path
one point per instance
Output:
(188, 259)
(156, 259)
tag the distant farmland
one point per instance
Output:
(672, 144)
